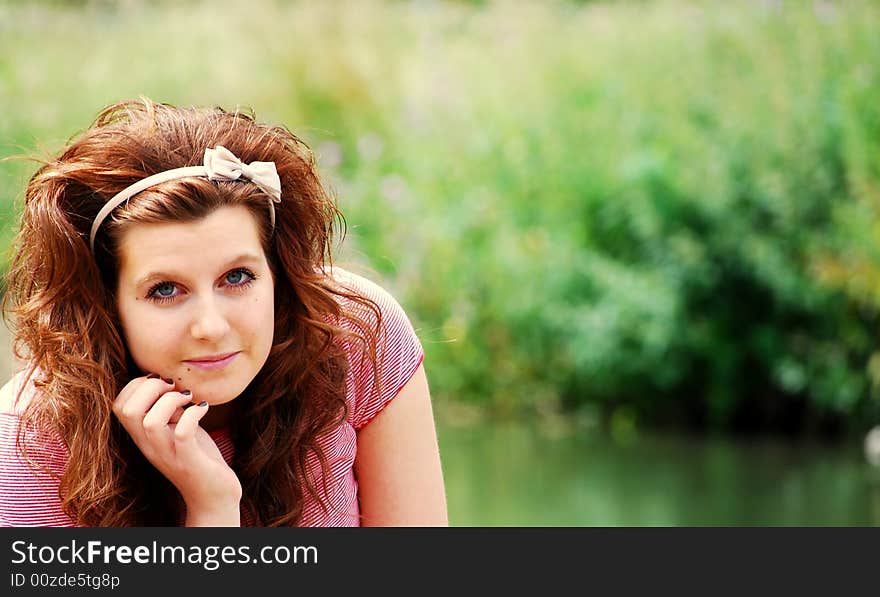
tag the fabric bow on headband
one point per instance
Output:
(219, 164)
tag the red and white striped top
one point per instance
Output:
(30, 498)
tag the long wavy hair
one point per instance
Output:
(60, 304)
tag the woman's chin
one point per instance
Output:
(213, 394)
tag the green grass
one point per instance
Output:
(656, 211)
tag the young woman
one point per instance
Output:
(192, 355)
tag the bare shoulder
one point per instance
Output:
(9, 393)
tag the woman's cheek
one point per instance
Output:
(153, 341)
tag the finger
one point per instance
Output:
(159, 416)
(176, 416)
(142, 398)
(185, 430)
(129, 388)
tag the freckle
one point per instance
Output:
(188, 369)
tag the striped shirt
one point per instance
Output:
(30, 497)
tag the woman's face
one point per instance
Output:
(196, 302)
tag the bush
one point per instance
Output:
(663, 210)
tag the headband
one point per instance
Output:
(219, 164)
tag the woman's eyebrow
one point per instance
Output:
(247, 257)
(164, 275)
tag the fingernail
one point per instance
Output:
(168, 380)
(153, 376)
(203, 403)
(185, 392)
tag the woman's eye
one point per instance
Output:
(164, 291)
(239, 277)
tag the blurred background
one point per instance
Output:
(638, 239)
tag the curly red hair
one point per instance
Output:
(60, 303)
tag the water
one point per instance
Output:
(523, 475)
(516, 475)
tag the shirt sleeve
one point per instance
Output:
(399, 353)
(29, 496)
(29, 487)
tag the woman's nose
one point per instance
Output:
(209, 321)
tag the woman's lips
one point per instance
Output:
(213, 363)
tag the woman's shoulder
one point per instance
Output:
(12, 400)
(373, 383)
(356, 283)
(363, 287)
(29, 481)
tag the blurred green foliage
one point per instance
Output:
(646, 212)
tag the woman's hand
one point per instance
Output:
(173, 441)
